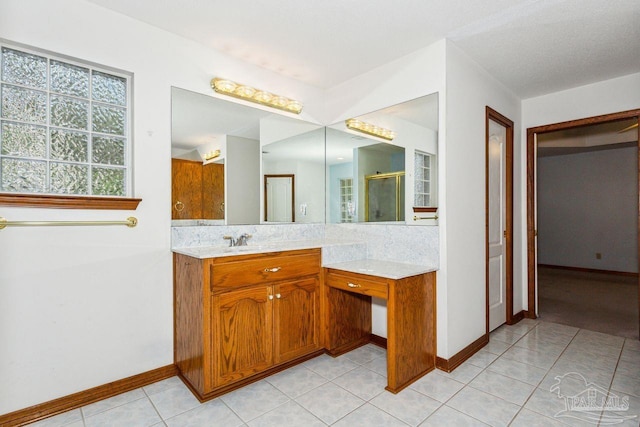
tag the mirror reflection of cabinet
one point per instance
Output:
(213, 191)
(197, 190)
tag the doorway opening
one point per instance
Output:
(279, 198)
(568, 138)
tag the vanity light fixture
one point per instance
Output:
(248, 93)
(212, 155)
(369, 129)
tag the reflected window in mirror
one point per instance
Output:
(347, 206)
(423, 179)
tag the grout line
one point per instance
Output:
(84, 423)
(230, 408)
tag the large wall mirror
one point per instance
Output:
(373, 179)
(224, 153)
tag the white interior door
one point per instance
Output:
(497, 225)
(279, 199)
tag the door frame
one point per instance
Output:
(532, 153)
(491, 114)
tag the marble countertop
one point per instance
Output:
(386, 269)
(290, 245)
(355, 260)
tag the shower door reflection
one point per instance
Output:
(384, 197)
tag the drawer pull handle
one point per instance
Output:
(272, 270)
(353, 285)
(278, 296)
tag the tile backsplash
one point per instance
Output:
(412, 244)
(214, 235)
(388, 242)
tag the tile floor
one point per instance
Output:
(508, 382)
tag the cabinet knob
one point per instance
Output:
(278, 296)
(179, 206)
(353, 285)
(270, 297)
(272, 270)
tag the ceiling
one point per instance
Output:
(533, 47)
(596, 137)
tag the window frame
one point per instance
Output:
(80, 201)
(431, 180)
(345, 217)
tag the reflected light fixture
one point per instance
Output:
(369, 129)
(248, 93)
(212, 155)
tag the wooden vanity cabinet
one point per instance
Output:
(258, 327)
(241, 318)
(411, 320)
(296, 318)
(242, 324)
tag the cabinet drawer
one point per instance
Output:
(264, 268)
(357, 283)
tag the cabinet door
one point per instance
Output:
(297, 318)
(243, 324)
(186, 189)
(213, 191)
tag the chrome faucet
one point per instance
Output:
(240, 241)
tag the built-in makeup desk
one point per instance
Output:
(411, 314)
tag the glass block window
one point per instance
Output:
(64, 126)
(347, 207)
(423, 191)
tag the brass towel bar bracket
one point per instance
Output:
(129, 222)
(416, 217)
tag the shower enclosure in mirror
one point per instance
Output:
(373, 179)
(384, 197)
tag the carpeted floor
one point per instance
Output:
(595, 301)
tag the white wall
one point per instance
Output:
(84, 306)
(93, 305)
(242, 181)
(588, 204)
(469, 90)
(609, 96)
(418, 74)
(465, 89)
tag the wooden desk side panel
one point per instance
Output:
(189, 320)
(348, 320)
(411, 344)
